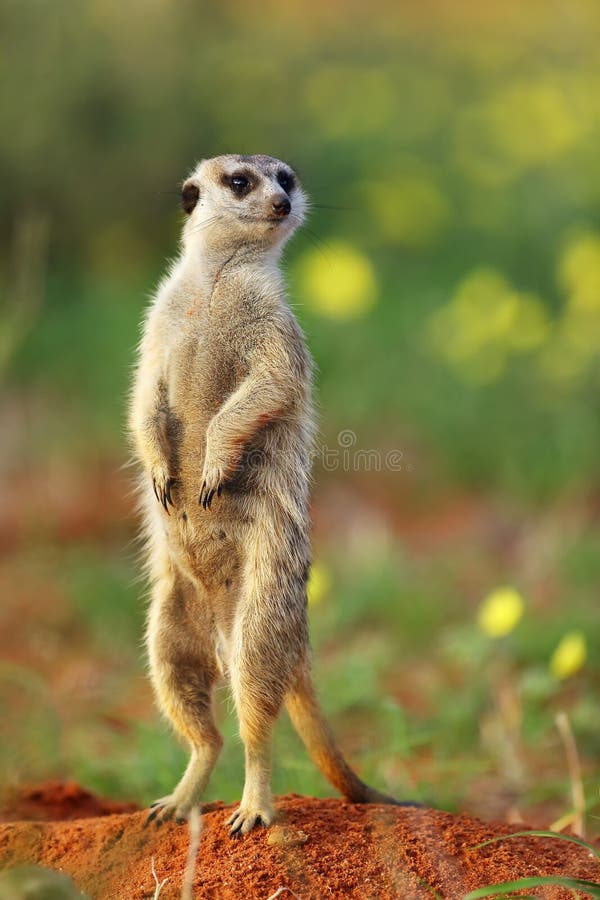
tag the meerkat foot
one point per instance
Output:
(169, 807)
(162, 484)
(245, 818)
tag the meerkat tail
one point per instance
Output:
(310, 723)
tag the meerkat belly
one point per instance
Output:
(208, 551)
(205, 544)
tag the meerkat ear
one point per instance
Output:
(190, 194)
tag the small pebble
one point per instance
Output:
(286, 836)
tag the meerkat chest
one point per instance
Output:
(206, 361)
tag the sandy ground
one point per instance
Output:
(320, 849)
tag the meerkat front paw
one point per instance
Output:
(162, 484)
(167, 808)
(245, 818)
(213, 477)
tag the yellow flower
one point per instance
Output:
(340, 283)
(570, 655)
(319, 583)
(500, 612)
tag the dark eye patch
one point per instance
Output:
(286, 180)
(240, 183)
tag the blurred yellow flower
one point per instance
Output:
(339, 283)
(485, 321)
(319, 583)
(569, 656)
(525, 124)
(531, 326)
(533, 122)
(500, 612)
(411, 210)
(574, 344)
(579, 271)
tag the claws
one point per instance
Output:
(241, 823)
(236, 829)
(163, 493)
(164, 810)
(206, 495)
(152, 816)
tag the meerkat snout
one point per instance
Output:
(281, 207)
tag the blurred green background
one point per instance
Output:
(449, 286)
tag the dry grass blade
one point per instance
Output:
(159, 884)
(281, 891)
(187, 889)
(566, 732)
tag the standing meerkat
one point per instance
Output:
(222, 424)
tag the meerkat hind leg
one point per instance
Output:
(258, 697)
(184, 671)
(256, 806)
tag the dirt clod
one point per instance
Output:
(284, 836)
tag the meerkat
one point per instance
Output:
(223, 426)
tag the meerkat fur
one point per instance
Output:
(222, 426)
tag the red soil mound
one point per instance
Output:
(57, 801)
(323, 848)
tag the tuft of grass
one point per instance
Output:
(494, 890)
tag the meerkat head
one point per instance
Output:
(236, 200)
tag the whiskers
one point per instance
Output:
(315, 239)
(207, 223)
(327, 206)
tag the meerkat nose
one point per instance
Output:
(282, 207)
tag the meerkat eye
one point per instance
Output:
(286, 180)
(240, 185)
